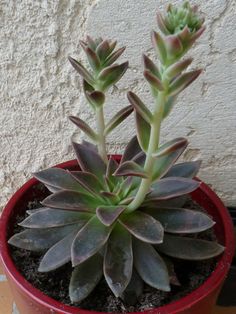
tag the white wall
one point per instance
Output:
(39, 88)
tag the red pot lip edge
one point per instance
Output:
(207, 287)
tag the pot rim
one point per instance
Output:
(185, 302)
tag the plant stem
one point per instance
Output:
(100, 130)
(152, 147)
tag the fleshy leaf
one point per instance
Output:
(149, 65)
(134, 289)
(88, 180)
(170, 147)
(143, 131)
(176, 202)
(119, 117)
(130, 168)
(159, 45)
(139, 106)
(150, 266)
(183, 81)
(168, 106)
(58, 178)
(40, 239)
(180, 220)
(95, 98)
(143, 227)
(132, 149)
(92, 59)
(161, 24)
(59, 254)
(108, 214)
(72, 201)
(89, 160)
(173, 46)
(84, 127)
(165, 162)
(178, 67)
(186, 169)
(154, 81)
(103, 49)
(114, 56)
(85, 277)
(49, 218)
(89, 240)
(112, 74)
(172, 187)
(189, 248)
(118, 260)
(82, 71)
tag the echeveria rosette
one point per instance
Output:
(103, 74)
(85, 221)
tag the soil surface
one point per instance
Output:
(55, 284)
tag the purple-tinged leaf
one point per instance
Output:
(88, 89)
(70, 200)
(59, 254)
(118, 260)
(89, 160)
(161, 24)
(90, 146)
(173, 46)
(172, 187)
(110, 197)
(112, 74)
(183, 81)
(149, 65)
(130, 168)
(111, 168)
(189, 248)
(109, 214)
(159, 45)
(84, 127)
(195, 36)
(176, 202)
(178, 67)
(119, 117)
(112, 45)
(164, 163)
(140, 107)
(171, 146)
(92, 59)
(90, 42)
(59, 179)
(88, 180)
(143, 131)
(186, 169)
(40, 239)
(134, 289)
(95, 98)
(143, 227)
(154, 81)
(85, 277)
(103, 50)
(131, 150)
(168, 106)
(52, 189)
(181, 220)
(82, 71)
(114, 56)
(49, 218)
(150, 266)
(89, 240)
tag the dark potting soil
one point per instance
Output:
(55, 284)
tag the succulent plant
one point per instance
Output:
(124, 220)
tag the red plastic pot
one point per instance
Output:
(29, 300)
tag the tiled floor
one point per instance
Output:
(7, 305)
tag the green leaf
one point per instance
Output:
(172, 187)
(103, 50)
(149, 65)
(189, 248)
(134, 289)
(89, 240)
(183, 81)
(130, 168)
(49, 218)
(92, 59)
(132, 149)
(112, 74)
(95, 98)
(118, 260)
(84, 127)
(150, 266)
(111, 168)
(114, 56)
(139, 106)
(178, 67)
(85, 277)
(143, 131)
(40, 239)
(119, 117)
(170, 147)
(159, 46)
(186, 169)
(82, 71)
(72, 201)
(89, 181)
(180, 220)
(143, 226)
(109, 214)
(161, 23)
(154, 81)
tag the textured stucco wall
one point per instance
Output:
(39, 88)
